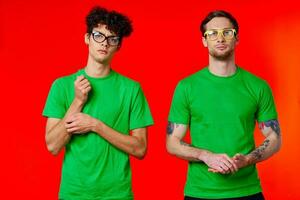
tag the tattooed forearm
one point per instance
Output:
(258, 152)
(170, 127)
(185, 144)
(273, 124)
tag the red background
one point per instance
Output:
(42, 40)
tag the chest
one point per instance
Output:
(222, 103)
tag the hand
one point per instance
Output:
(82, 88)
(220, 163)
(241, 160)
(80, 123)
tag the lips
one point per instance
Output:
(221, 47)
(101, 51)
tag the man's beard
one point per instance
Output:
(223, 56)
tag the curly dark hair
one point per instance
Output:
(115, 22)
(218, 13)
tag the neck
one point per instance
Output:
(97, 69)
(222, 67)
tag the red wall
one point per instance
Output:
(42, 40)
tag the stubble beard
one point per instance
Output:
(223, 56)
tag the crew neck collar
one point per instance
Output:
(110, 74)
(237, 71)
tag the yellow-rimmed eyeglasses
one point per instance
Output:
(213, 34)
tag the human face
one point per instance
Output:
(221, 48)
(101, 51)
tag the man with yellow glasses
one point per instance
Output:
(221, 104)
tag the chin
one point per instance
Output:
(221, 56)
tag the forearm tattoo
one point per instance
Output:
(170, 127)
(258, 152)
(273, 124)
(185, 144)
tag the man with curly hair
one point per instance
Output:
(91, 114)
(220, 104)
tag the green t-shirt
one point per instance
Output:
(221, 113)
(92, 167)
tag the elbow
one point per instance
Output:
(140, 153)
(172, 145)
(51, 148)
(170, 148)
(277, 143)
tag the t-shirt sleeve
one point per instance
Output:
(266, 106)
(140, 115)
(180, 112)
(55, 106)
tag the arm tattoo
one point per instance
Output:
(258, 152)
(271, 123)
(185, 144)
(170, 127)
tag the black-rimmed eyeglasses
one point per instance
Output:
(100, 37)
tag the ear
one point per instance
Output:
(118, 47)
(204, 41)
(237, 39)
(87, 39)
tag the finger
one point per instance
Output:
(84, 81)
(225, 168)
(236, 156)
(231, 161)
(69, 125)
(79, 78)
(222, 170)
(72, 130)
(213, 170)
(85, 85)
(88, 89)
(230, 166)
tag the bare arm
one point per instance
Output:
(134, 144)
(175, 146)
(56, 134)
(272, 143)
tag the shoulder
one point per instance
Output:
(192, 79)
(126, 81)
(65, 81)
(257, 85)
(252, 78)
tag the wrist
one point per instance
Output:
(203, 155)
(78, 102)
(95, 125)
(249, 159)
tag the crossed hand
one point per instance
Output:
(222, 163)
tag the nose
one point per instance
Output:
(220, 37)
(105, 43)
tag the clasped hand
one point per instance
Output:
(222, 163)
